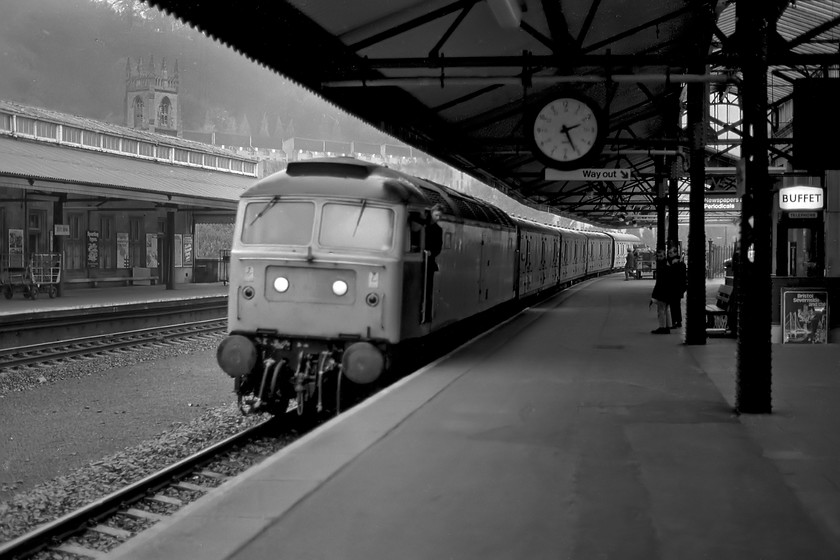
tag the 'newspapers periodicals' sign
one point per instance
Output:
(722, 204)
(805, 316)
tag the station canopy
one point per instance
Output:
(461, 80)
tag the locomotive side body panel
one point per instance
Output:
(475, 271)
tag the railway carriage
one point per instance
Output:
(332, 276)
(599, 253)
(621, 243)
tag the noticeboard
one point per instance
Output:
(805, 316)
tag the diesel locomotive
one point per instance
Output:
(335, 269)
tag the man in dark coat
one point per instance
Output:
(662, 293)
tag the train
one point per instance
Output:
(334, 274)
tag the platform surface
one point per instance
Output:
(88, 298)
(568, 432)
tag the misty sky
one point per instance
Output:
(70, 56)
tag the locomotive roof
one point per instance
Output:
(370, 181)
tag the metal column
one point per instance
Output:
(753, 296)
(695, 303)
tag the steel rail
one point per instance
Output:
(79, 520)
(60, 349)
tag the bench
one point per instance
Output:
(125, 280)
(717, 314)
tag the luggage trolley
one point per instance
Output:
(16, 274)
(45, 270)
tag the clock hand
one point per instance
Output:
(565, 130)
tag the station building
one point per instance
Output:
(120, 204)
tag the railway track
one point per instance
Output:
(91, 345)
(37, 327)
(101, 526)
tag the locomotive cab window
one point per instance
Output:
(356, 226)
(276, 222)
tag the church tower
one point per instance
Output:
(151, 97)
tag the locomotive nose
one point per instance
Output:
(236, 355)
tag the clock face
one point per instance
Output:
(567, 132)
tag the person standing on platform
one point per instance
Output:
(677, 281)
(661, 294)
(630, 265)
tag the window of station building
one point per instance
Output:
(36, 237)
(164, 152)
(46, 130)
(223, 163)
(136, 241)
(147, 149)
(71, 134)
(236, 165)
(92, 139)
(74, 247)
(196, 158)
(249, 167)
(5, 121)
(107, 242)
(182, 155)
(129, 146)
(209, 160)
(111, 142)
(25, 125)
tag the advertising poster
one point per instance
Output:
(805, 316)
(93, 249)
(151, 250)
(15, 248)
(178, 252)
(123, 260)
(188, 250)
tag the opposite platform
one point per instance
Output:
(568, 432)
(87, 298)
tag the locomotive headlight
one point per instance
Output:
(281, 284)
(339, 287)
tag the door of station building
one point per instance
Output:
(800, 250)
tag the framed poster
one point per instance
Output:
(151, 250)
(188, 250)
(123, 260)
(178, 253)
(805, 316)
(93, 249)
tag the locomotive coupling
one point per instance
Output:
(236, 355)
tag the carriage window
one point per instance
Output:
(357, 226)
(278, 222)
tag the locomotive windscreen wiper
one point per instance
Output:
(266, 208)
(359, 219)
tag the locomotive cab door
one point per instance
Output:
(419, 276)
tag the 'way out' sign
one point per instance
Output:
(587, 175)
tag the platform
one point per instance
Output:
(87, 298)
(568, 432)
